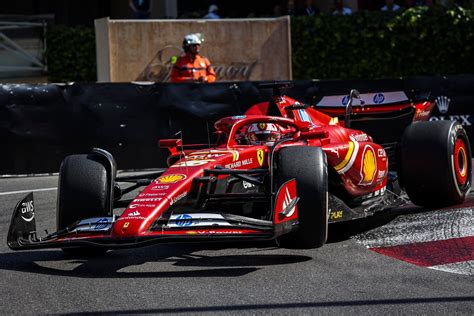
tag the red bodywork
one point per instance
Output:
(160, 210)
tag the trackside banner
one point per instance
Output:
(41, 124)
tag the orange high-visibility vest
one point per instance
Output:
(185, 69)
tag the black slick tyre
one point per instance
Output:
(436, 165)
(308, 165)
(82, 193)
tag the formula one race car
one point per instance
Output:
(282, 171)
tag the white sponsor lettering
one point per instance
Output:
(192, 163)
(381, 174)
(148, 200)
(177, 198)
(247, 185)
(136, 213)
(160, 187)
(463, 119)
(239, 163)
(27, 211)
(381, 152)
(152, 194)
(360, 137)
(132, 206)
(131, 217)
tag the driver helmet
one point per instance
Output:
(192, 39)
(263, 134)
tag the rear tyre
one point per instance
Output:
(308, 165)
(82, 193)
(436, 166)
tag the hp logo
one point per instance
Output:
(184, 220)
(345, 100)
(379, 98)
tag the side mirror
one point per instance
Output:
(354, 94)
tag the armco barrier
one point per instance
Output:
(41, 124)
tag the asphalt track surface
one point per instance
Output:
(406, 261)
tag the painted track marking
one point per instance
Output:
(27, 191)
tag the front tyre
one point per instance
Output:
(308, 165)
(82, 193)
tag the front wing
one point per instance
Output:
(96, 232)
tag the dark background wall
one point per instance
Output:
(41, 124)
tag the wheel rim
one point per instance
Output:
(460, 161)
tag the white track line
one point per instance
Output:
(27, 191)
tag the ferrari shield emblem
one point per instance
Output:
(262, 126)
(260, 156)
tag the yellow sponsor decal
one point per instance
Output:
(125, 226)
(369, 166)
(235, 153)
(170, 178)
(346, 160)
(335, 214)
(260, 156)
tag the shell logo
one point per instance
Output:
(369, 166)
(170, 178)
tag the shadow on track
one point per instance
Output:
(265, 308)
(55, 262)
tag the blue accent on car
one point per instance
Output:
(379, 98)
(184, 220)
(345, 100)
(101, 224)
(304, 116)
(239, 117)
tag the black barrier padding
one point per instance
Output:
(41, 124)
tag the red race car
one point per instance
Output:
(284, 170)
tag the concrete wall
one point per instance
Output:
(239, 49)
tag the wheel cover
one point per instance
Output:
(461, 164)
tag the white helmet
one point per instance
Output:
(263, 134)
(192, 39)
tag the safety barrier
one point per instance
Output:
(41, 124)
